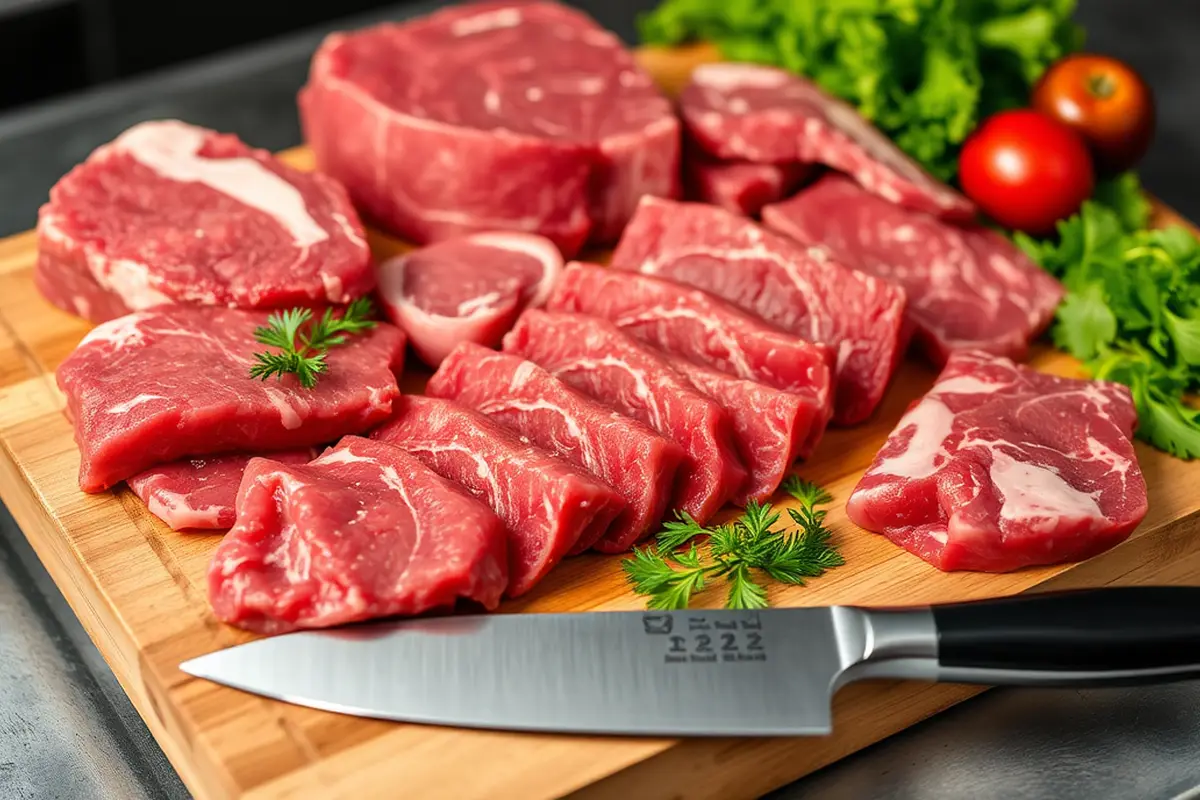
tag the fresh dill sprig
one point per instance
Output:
(736, 551)
(302, 352)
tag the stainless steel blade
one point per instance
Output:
(646, 673)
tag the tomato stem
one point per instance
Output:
(1101, 85)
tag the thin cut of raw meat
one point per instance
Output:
(773, 428)
(860, 316)
(968, 287)
(698, 326)
(364, 531)
(546, 503)
(771, 116)
(596, 357)
(174, 382)
(1000, 467)
(200, 493)
(625, 453)
(524, 116)
(172, 213)
(741, 187)
(467, 289)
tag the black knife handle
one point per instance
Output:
(1095, 631)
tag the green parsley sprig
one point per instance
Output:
(669, 576)
(302, 351)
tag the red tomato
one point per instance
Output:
(1106, 101)
(1026, 170)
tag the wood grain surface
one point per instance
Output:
(139, 590)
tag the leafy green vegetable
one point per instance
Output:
(303, 353)
(669, 577)
(1132, 309)
(926, 72)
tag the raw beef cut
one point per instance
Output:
(625, 453)
(770, 116)
(773, 428)
(595, 357)
(741, 187)
(698, 326)
(860, 316)
(173, 382)
(518, 115)
(199, 493)
(1000, 467)
(466, 289)
(546, 504)
(172, 213)
(362, 532)
(968, 287)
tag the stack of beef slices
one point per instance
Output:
(573, 407)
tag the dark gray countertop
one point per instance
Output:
(67, 730)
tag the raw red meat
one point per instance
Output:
(546, 503)
(1000, 467)
(520, 115)
(172, 213)
(200, 493)
(594, 356)
(700, 327)
(467, 289)
(968, 287)
(860, 316)
(770, 116)
(772, 427)
(362, 532)
(625, 453)
(741, 187)
(165, 384)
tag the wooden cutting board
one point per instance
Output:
(139, 590)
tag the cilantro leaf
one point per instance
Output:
(1086, 323)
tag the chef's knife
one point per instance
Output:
(696, 673)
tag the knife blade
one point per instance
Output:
(769, 672)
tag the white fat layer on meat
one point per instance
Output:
(641, 386)
(931, 422)
(121, 408)
(130, 280)
(168, 505)
(967, 384)
(1032, 491)
(288, 416)
(170, 148)
(491, 101)
(121, 332)
(485, 303)
(343, 456)
(730, 77)
(392, 480)
(488, 21)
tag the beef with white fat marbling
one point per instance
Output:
(968, 287)
(1001, 467)
(201, 493)
(174, 213)
(364, 531)
(771, 116)
(505, 115)
(173, 382)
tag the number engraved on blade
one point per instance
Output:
(709, 640)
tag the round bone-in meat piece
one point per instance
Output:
(467, 289)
